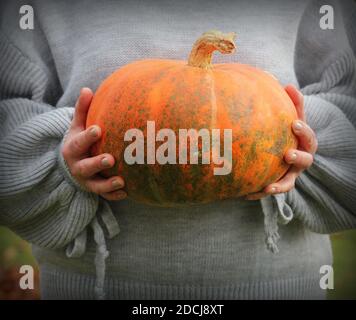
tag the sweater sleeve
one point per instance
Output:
(39, 199)
(325, 195)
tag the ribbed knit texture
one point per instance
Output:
(210, 251)
(72, 286)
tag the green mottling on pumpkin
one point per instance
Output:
(279, 141)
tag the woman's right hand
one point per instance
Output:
(75, 151)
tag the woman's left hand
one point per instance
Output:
(301, 158)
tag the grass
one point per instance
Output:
(15, 252)
(344, 249)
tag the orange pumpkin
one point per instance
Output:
(176, 94)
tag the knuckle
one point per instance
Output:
(291, 185)
(94, 188)
(303, 161)
(81, 168)
(306, 144)
(73, 122)
(98, 163)
(88, 133)
(97, 188)
(65, 152)
(77, 144)
(75, 170)
(305, 130)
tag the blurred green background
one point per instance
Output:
(15, 252)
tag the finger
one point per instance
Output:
(88, 167)
(80, 143)
(101, 185)
(285, 184)
(300, 159)
(306, 136)
(81, 109)
(256, 196)
(298, 100)
(115, 195)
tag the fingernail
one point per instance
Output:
(273, 190)
(116, 183)
(83, 89)
(293, 156)
(105, 162)
(298, 125)
(93, 131)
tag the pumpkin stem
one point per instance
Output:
(210, 41)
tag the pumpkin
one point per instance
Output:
(195, 94)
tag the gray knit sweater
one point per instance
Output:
(213, 251)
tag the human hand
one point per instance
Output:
(301, 158)
(75, 151)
